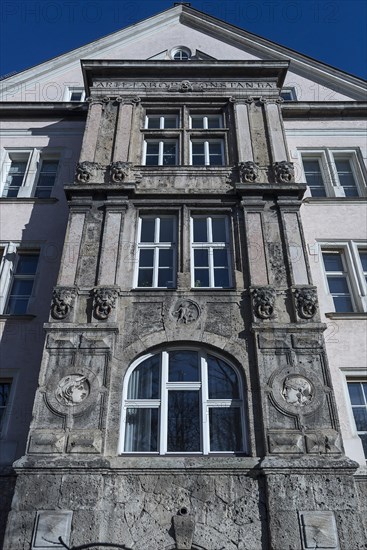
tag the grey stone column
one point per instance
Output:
(91, 131)
(110, 251)
(123, 132)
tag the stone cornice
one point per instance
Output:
(43, 109)
(318, 109)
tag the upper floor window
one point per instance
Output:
(345, 266)
(18, 269)
(183, 401)
(333, 173)
(156, 266)
(358, 399)
(289, 94)
(210, 252)
(180, 53)
(75, 94)
(5, 386)
(29, 173)
(184, 137)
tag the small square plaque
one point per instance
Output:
(50, 526)
(318, 530)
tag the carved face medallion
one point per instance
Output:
(186, 311)
(72, 389)
(297, 391)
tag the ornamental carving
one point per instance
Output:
(248, 171)
(297, 391)
(104, 302)
(85, 170)
(284, 171)
(184, 86)
(62, 302)
(186, 311)
(119, 171)
(263, 299)
(72, 390)
(306, 302)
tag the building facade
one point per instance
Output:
(201, 383)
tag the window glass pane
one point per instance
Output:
(165, 258)
(153, 122)
(169, 154)
(144, 380)
(214, 121)
(346, 177)
(220, 258)
(183, 421)
(200, 230)
(364, 443)
(145, 278)
(17, 306)
(183, 366)
(170, 122)
(222, 380)
(165, 278)
(146, 258)
(338, 285)
(166, 230)
(152, 148)
(314, 177)
(141, 433)
(215, 154)
(360, 416)
(201, 258)
(355, 393)
(147, 230)
(4, 393)
(76, 96)
(333, 262)
(22, 287)
(219, 230)
(363, 257)
(225, 429)
(221, 278)
(201, 278)
(197, 122)
(342, 304)
(27, 264)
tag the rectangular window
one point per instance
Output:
(335, 173)
(210, 252)
(22, 283)
(160, 152)
(206, 122)
(157, 252)
(16, 175)
(5, 386)
(46, 179)
(345, 267)
(161, 122)
(358, 398)
(337, 279)
(75, 94)
(314, 177)
(207, 152)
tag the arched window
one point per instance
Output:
(183, 401)
(180, 53)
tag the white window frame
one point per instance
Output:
(8, 267)
(326, 158)
(353, 269)
(156, 246)
(210, 246)
(72, 89)
(161, 142)
(34, 158)
(180, 49)
(162, 118)
(289, 90)
(352, 376)
(207, 142)
(206, 119)
(162, 404)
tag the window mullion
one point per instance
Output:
(206, 153)
(160, 153)
(163, 423)
(205, 435)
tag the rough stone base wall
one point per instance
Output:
(7, 485)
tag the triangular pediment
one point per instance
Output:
(205, 36)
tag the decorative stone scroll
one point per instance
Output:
(104, 300)
(284, 171)
(186, 311)
(263, 299)
(86, 170)
(63, 299)
(248, 171)
(72, 390)
(306, 302)
(119, 171)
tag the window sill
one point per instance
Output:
(31, 200)
(328, 200)
(25, 317)
(355, 315)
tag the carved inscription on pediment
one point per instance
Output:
(177, 85)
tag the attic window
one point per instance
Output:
(288, 94)
(180, 53)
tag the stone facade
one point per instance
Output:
(290, 487)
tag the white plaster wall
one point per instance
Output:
(44, 225)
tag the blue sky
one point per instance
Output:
(333, 31)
